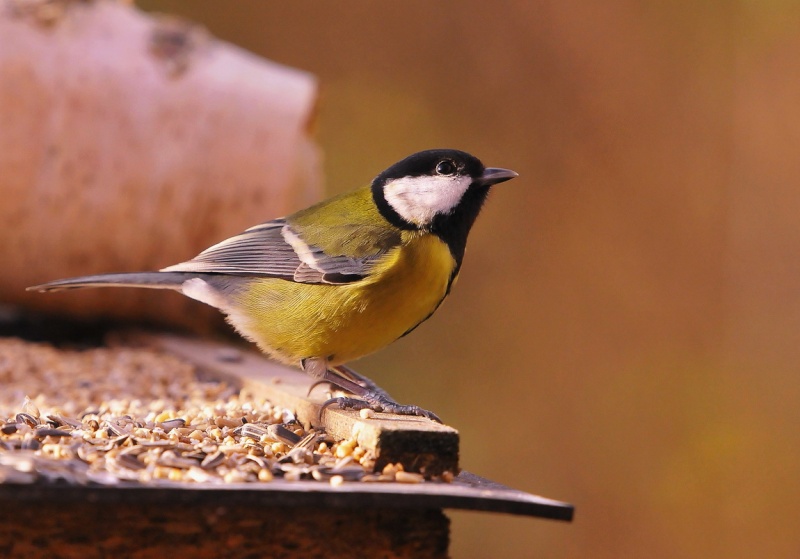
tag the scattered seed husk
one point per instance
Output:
(171, 424)
(213, 460)
(281, 433)
(130, 461)
(50, 432)
(60, 421)
(8, 429)
(27, 419)
(350, 473)
(251, 430)
(29, 408)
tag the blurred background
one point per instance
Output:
(625, 334)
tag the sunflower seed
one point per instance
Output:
(8, 429)
(60, 421)
(171, 424)
(27, 419)
(50, 432)
(281, 433)
(130, 462)
(170, 459)
(252, 431)
(212, 460)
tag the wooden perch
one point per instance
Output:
(131, 142)
(420, 444)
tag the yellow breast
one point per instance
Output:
(294, 321)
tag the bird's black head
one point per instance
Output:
(438, 190)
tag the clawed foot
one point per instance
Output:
(368, 394)
(378, 403)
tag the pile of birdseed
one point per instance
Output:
(110, 415)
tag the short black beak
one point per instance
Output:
(494, 175)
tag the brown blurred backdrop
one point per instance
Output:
(625, 331)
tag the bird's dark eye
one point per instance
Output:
(446, 167)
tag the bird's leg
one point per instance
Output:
(350, 374)
(369, 394)
(370, 385)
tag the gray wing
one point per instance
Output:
(274, 249)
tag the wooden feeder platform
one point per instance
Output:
(299, 518)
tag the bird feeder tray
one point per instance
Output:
(280, 518)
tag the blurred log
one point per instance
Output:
(131, 142)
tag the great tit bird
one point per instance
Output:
(342, 278)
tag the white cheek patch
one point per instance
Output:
(419, 199)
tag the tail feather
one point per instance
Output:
(152, 280)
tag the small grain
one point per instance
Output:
(336, 481)
(366, 413)
(408, 477)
